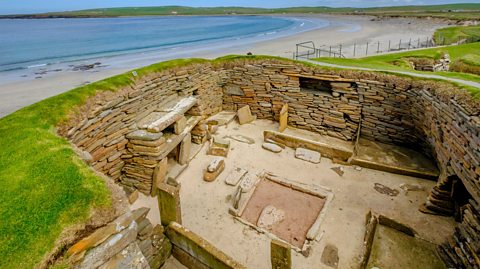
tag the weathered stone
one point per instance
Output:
(219, 147)
(235, 176)
(270, 216)
(283, 119)
(180, 125)
(248, 182)
(129, 257)
(144, 135)
(245, 115)
(280, 255)
(185, 147)
(272, 147)
(330, 256)
(307, 155)
(169, 204)
(339, 170)
(113, 245)
(214, 169)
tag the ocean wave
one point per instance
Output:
(36, 65)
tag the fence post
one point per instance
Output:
(389, 45)
(340, 56)
(366, 49)
(409, 43)
(378, 47)
(330, 52)
(418, 45)
(354, 48)
(400, 44)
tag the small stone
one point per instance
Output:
(270, 216)
(271, 147)
(247, 183)
(335, 94)
(307, 155)
(330, 256)
(338, 170)
(358, 168)
(215, 165)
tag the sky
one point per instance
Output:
(37, 6)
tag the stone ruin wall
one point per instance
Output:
(392, 110)
(101, 126)
(443, 123)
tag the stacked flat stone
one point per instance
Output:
(130, 241)
(463, 250)
(144, 153)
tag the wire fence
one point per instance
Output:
(310, 50)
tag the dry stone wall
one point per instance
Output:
(434, 117)
(100, 127)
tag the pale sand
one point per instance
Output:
(18, 94)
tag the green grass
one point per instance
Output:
(397, 62)
(44, 186)
(450, 11)
(450, 35)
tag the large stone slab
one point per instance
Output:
(159, 120)
(307, 155)
(245, 115)
(199, 248)
(235, 176)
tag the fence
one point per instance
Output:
(309, 50)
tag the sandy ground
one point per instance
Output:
(205, 205)
(343, 29)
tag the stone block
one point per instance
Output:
(219, 147)
(113, 245)
(280, 255)
(185, 147)
(283, 118)
(245, 115)
(200, 249)
(235, 176)
(169, 204)
(307, 155)
(180, 125)
(214, 169)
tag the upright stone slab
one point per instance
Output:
(283, 118)
(185, 146)
(280, 255)
(245, 115)
(180, 125)
(169, 204)
(159, 175)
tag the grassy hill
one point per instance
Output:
(451, 11)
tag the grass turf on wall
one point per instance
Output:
(450, 35)
(44, 186)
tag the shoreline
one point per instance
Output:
(17, 94)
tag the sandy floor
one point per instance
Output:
(344, 29)
(205, 205)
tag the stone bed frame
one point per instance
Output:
(435, 117)
(313, 232)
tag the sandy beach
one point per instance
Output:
(345, 30)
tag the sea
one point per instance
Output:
(56, 44)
